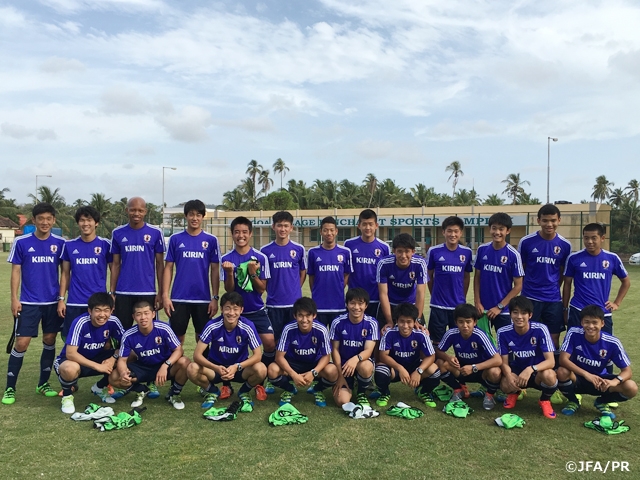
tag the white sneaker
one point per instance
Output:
(103, 393)
(176, 401)
(67, 405)
(139, 398)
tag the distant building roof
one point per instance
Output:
(8, 223)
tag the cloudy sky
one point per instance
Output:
(101, 94)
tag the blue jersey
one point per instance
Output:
(352, 336)
(527, 349)
(594, 357)
(252, 300)
(407, 350)
(91, 340)
(153, 348)
(449, 268)
(192, 256)
(304, 347)
(39, 261)
(365, 257)
(402, 282)
(328, 268)
(475, 349)
(498, 269)
(544, 262)
(88, 263)
(285, 263)
(137, 250)
(230, 347)
(592, 276)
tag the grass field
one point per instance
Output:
(38, 441)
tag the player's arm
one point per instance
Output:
(517, 288)
(466, 283)
(167, 276)
(200, 359)
(115, 271)
(476, 293)
(346, 280)
(431, 274)
(421, 289)
(323, 362)
(389, 361)
(494, 361)
(215, 288)
(385, 305)
(16, 306)
(163, 372)
(159, 275)
(284, 365)
(229, 282)
(625, 283)
(123, 370)
(256, 356)
(73, 355)
(303, 276)
(565, 361)
(259, 284)
(335, 356)
(65, 279)
(311, 278)
(444, 356)
(566, 295)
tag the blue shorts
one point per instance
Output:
(146, 373)
(439, 320)
(549, 313)
(236, 378)
(573, 320)
(326, 318)
(372, 309)
(500, 321)
(261, 320)
(30, 316)
(73, 312)
(301, 367)
(279, 317)
(86, 371)
(473, 378)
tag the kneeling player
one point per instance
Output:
(353, 338)
(475, 358)
(585, 354)
(229, 338)
(159, 357)
(407, 356)
(302, 356)
(527, 356)
(89, 350)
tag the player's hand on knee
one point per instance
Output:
(404, 376)
(466, 370)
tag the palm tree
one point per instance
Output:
(494, 200)
(350, 194)
(47, 195)
(388, 194)
(253, 170)
(248, 188)
(634, 191)
(233, 199)
(371, 183)
(102, 204)
(265, 181)
(300, 193)
(602, 189)
(456, 171)
(514, 186)
(617, 197)
(325, 193)
(423, 197)
(280, 168)
(526, 199)
(466, 198)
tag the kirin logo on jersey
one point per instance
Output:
(557, 249)
(414, 344)
(158, 340)
(97, 250)
(147, 238)
(474, 345)
(605, 264)
(314, 340)
(463, 258)
(238, 339)
(106, 333)
(534, 341)
(205, 245)
(412, 275)
(340, 258)
(377, 252)
(293, 253)
(364, 332)
(503, 259)
(603, 353)
(54, 248)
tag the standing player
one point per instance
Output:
(366, 250)
(527, 357)
(137, 249)
(35, 259)
(85, 260)
(401, 278)
(303, 355)
(544, 254)
(591, 271)
(586, 351)
(229, 339)
(90, 350)
(194, 253)
(288, 267)
(449, 269)
(353, 338)
(329, 266)
(499, 273)
(158, 357)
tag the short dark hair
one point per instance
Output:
(87, 211)
(101, 299)
(548, 209)
(241, 221)
(305, 305)
(521, 303)
(405, 310)
(501, 218)
(357, 294)
(367, 214)
(465, 310)
(453, 221)
(282, 216)
(140, 304)
(43, 207)
(403, 240)
(595, 227)
(592, 311)
(328, 219)
(234, 298)
(196, 205)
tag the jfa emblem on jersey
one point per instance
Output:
(106, 333)
(503, 259)
(205, 245)
(414, 344)
(377, 252)
(364, 332)
(605, 264)
(54, 248)
(158, 340)
(603, 353)
(314, 340)
(474, 345)
(534, 341)
(147, 238)
(340, 258)
(97, 250)
(557, 249)
(238, 339)
(463, 258)
(412, 275)
(292, 253)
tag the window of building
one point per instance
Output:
(344, 233)
(314, 235)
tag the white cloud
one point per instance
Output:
(58, 65)
(188, 125)
(20, 132)
(73, 6)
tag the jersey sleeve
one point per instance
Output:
(171, 250)
(303, 258)
(618, 268)
(479, 261)
(115, 245)
(620, 357)
(503, 345)
(214, 251)
(207, 332)
(325, 347)
(374, 334)
(431, 263)
(546, 344)
(311, 263)
(65, 253)
(75, 334)
(283, 345)
(125, 346)
(445, 343)
(116, 330)
(517, 268)
(487, 344)
(422, 276)
(16, 255)
(107, 248)
(254, 338)
(171, 337)
(348, 262)
(426, 345)
(334, 333)
(569, 270)
(158, 246)
(567, 344)
(383, 342)
(469, 262)
(381, 272)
